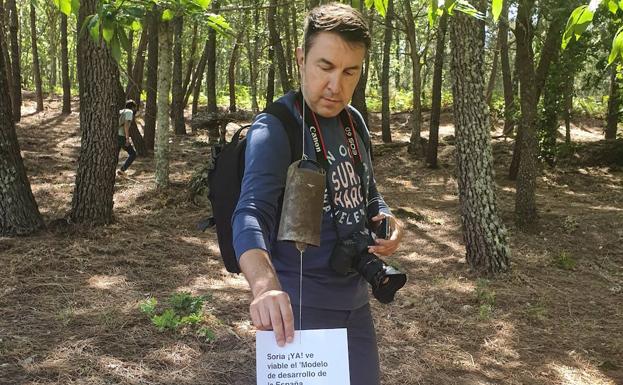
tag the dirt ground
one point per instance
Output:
(69, 296)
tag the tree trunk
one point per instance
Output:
(483, 231)
(164, 86)
(135, 81)
(494, 72)
(385, 112)
(275, 41)
(435, 113)
(65, 67)
(198, 78)
(415, 144)
(177, 104)
(253, 54)
(151, 107)
(5, 52)
(568, 106)
(270, 77)
(359, 95)
(19, 214)
(186, 89)
(133, 91)
(231, 75)
(99, 116)
(211, 64)
(16, 71)
(289, 51)
(52, 15)
(614, 105)
(525, 199)
(507, 81)
(35, 58)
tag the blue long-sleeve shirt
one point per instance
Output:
(256, 218)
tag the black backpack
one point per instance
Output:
(225, 179)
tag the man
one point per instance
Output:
(126, 116)
(336, 40)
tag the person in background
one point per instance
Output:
(126, 116)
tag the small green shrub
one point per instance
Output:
(565, 261)
(167, 320)
(486, 299)
(185, 311)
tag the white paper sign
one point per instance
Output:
(316, 357)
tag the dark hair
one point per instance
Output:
(338, 18)
(131, 104)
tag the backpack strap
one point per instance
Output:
(291, 126)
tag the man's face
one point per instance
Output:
(330, 73)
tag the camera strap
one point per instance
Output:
(352, 146)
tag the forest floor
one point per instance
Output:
(69, 296)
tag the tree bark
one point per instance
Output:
(525, 199)
(275, 41)
(99, 115)
(177, 104)
(35, 58)
(614, 105)
(151, 107)
(507, 81)
(270, 77)
(494, 72)
(198, 78)
(483, 231)
(385, 112)
(568, 107)
(5, 52)
(65, 67)
(164, 86)
(211, 64)
(19, 214)
(359, 95)
(435, 113)
(133, 91)
(415, 144)
(16, 71)
(231, 75)
(186, 89)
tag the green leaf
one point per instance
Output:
(432, 12)
(219, 24)
(136, 25)
(108, 34)
(468, 9)
(369, 3)
(579, 20)
(115, 48)
(94, 28)
(617, 47)
(64, 6)
(123, 39)
(75, 6)
(496, 9)
(203, 3)
(381, 6)
(613, 6)
(167, 15)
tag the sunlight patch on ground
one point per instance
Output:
(107, 282)
(580, 376)
(203, 283)
(457, 284)
(178, 354)
(128, 371)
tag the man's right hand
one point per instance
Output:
(272, 310)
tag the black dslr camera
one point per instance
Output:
(351, 254)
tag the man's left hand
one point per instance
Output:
(387, 247)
